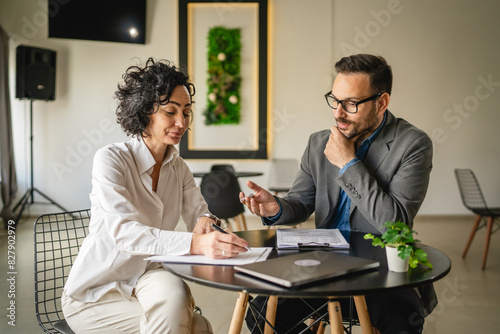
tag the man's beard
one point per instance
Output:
(370, 126)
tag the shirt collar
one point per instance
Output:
(143, 157)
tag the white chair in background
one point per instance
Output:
(282, 173)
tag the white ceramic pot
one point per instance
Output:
(394, 262)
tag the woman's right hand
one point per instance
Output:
(218, 245)
(261, 203)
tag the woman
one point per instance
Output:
(140, 189)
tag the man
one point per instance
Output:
(368, 169)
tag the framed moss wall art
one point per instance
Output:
(223, 83)
(223, 47)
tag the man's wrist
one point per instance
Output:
(347, 165)
(278, 214)
(216, 220)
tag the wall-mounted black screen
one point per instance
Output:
(99, 20)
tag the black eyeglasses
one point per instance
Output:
(349, 106)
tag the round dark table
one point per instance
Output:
(360, 284)
(237, 174)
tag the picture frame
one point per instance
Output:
(248, 140)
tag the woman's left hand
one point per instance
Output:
(203, 225)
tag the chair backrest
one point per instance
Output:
(472, 196)
(282, 173)
(57, 238)
(228, 168)
(220, 188)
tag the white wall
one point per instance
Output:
(440, 51)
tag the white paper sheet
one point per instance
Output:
(256, 254)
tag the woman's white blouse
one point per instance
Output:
(130, 221)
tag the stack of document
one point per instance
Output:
(255, 254)
(310, 238)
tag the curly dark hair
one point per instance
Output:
(376, 67)
(143, 87)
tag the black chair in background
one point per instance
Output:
(473, 199)
(221, 189)
(228, 168)
(57, 238)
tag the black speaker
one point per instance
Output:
(35, 73)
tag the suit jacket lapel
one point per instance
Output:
(379, 148)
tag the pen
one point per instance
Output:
(243, 199)
(217, 228)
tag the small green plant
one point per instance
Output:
(400, 236)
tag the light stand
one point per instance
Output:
(29, 197)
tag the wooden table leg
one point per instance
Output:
(364, 317)
(272, 305)
(335, 315)
(239, 313)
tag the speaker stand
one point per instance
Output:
(29, 197)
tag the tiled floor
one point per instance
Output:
(469, 298)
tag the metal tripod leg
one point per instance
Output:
(30, 195)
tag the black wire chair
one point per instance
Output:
(58, 238)
(473, 199)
